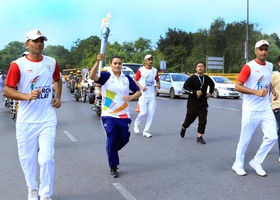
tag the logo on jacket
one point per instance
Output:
(49, 67)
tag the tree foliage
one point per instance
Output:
(11, 52)
(60, 54)
(177, 47)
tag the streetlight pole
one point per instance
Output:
(247, 34)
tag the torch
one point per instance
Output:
(104, 39)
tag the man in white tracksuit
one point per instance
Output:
(33, 75)
(145, 78)
(254, 82)
(275, 82)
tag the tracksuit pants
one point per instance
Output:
(147, 106)
(1, 85)
(36, 142)
(250, 121)
(277, 117)
(192, 113)
(117, 132)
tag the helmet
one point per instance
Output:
(71, 72)
(79, 73)
(103, 69)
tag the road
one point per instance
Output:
(164, 167)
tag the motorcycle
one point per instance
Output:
(6, 102)
(81, 91)
(95, 98)
(14, 109)
(12, 105)
(68, 84)
(71, 84)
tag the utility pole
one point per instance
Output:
(247, 35)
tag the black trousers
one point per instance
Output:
(194, 112)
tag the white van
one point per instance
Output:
(128, 71)
(90, 82)
(133, 66)
(125, 70)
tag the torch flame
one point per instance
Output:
(105, 21)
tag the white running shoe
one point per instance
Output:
(136, 129)
(238, 170)
(32, 194)
(258, 167)
(46, 198)
(147, 134)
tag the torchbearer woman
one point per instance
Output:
(115, 108)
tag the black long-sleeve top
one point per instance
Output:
(195, 83)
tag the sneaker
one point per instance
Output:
(136, 129)
(257, 167)
(46, 198)
(279, 159)
(147, 134)
(200, 139)
(32, 194)
(238, 170)
(183, 131)
(114, 173)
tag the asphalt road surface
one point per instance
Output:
(164, 167)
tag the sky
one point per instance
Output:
(63, 22)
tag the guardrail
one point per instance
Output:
(230, 76)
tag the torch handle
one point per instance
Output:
(100, 67)
(104, 39)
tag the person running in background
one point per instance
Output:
(1, 81)
(145, 78)
(254, 82)
(115, 113)
(36, 117)
(275, 82)
(197, 106)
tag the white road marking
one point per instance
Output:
(123, 191)
(165, 99)
(227, 108)
(70, 136)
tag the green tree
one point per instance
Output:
(61, 54)
(199, 51)
(11, 52)
(84, 52)
(275, 39)
(176, 47)
(216, 38)
(234, 51)
(129, 48)
(142, 45)
(273, 54)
